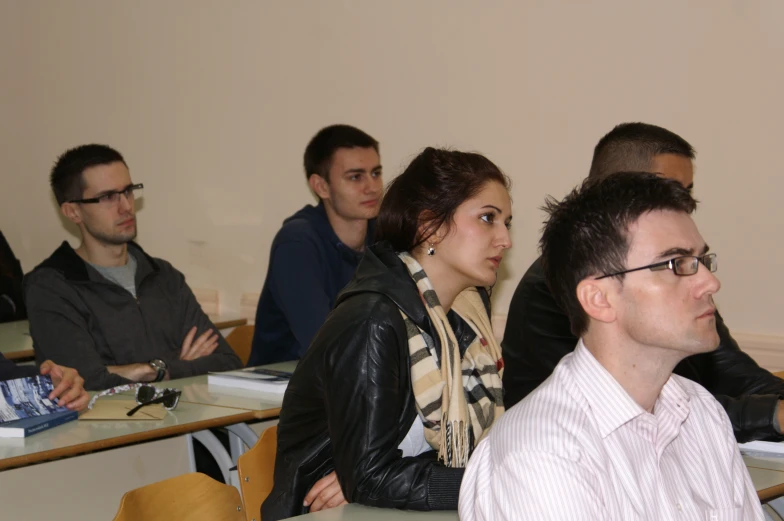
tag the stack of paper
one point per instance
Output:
(253, 379)
(766, 448)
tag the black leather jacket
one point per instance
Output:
(350, 403)
(538, 335)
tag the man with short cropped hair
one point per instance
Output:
(107, 308)
(538, 332)
(315, 253)
(613, 434)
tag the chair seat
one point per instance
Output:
(192, 497)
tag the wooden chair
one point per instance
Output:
(240, 341)
(256, 469)
(193, 496)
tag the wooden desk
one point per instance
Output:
(96, 480)
(81, 437)
(264, 405)
(767, 475)
(71, 471)
(15, 340)
(261, 406)
(90, 486)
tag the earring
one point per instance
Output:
(431, 250)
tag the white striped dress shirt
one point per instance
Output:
(580, 448)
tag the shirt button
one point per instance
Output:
(680, 508)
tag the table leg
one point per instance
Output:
(218, 451)
(240, 437)
(191, 456)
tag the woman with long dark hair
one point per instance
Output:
(404, 377)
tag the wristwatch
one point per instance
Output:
(160, 366)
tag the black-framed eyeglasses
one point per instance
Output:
(131, 192)
(681, 266)
(146, 394)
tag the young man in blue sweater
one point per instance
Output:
(315, 253)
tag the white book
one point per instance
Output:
(252, 379)
(762, 448)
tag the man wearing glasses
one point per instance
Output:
(539, 333)
(613, 434)
(107, 308)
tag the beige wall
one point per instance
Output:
(213, 101)
(10, 98)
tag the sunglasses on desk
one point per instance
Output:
(146, 394)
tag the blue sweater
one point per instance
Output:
(308, 267)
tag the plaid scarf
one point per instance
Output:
(457, 400)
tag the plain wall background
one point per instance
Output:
(212, 103)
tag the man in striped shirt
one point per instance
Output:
(613, 434)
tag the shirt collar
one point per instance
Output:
(611, 404)
(335, 240)
(674, 400)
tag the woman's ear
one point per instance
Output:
(425, 228)
(593, 296)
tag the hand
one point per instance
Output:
(68, 386)
(202, 346)
(326, 493)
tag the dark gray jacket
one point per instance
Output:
(82, 320)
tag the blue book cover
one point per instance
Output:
(30, 426)
(27, 398)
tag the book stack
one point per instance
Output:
(25, 407)
(252, 379)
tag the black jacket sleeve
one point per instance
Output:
(366, 385)
(538, 335)
(10, 371)
(749, 393)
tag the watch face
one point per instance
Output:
(158, 364)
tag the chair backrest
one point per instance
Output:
(193, 496)
(240, 341)
(256, 469)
